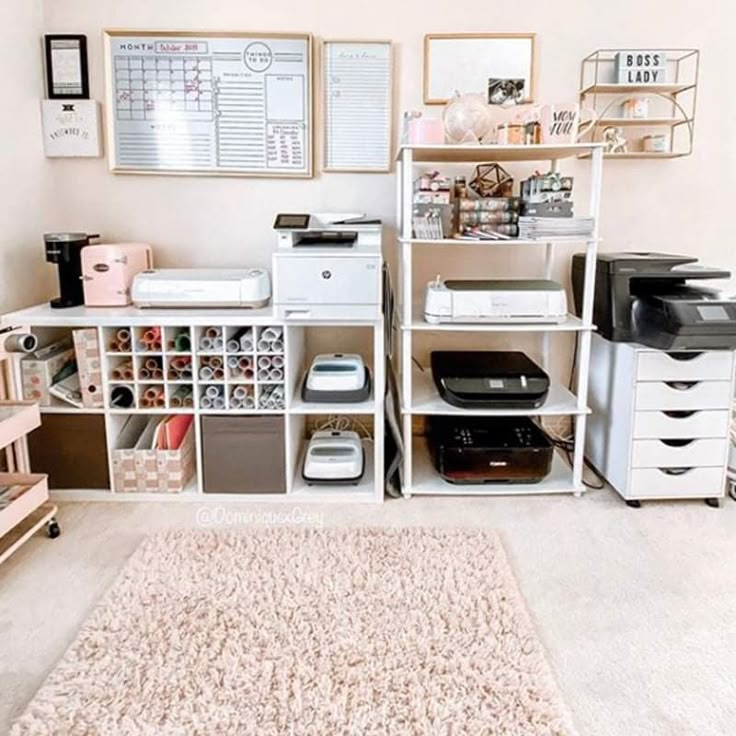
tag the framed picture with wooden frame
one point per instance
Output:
(466, 62)
(357, 103)
(209, 103)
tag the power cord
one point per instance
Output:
(340, 423)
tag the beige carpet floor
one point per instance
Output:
(308, 631)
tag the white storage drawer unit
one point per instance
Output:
(660, 422)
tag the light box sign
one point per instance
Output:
(641, 67)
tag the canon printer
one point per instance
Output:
(646, 298)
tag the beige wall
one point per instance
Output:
(24, 183)
(681, 205)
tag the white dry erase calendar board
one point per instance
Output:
(357, 102)
(225, 103)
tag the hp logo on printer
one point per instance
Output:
(326, 274)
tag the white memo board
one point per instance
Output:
(210, 103)
(357, 105)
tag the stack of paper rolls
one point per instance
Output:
(271, 340)
(152, 397)
(241, 397)
(150, 340)
(271, 397)
(182, 397)
(211, 340)
(180, 368)
(120, 343)
(213, 397)
(241, 341)
(123, 371)
(181, 342)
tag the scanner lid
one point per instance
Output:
(650, 264)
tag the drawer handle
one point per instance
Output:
(684, 414)
(684, 356)
(674, 471)
(681, 385)
(677, 443)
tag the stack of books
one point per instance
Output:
(537, 228)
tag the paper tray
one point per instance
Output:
(17, 419)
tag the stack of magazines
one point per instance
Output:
(536, 228)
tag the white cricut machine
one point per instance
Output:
(327, 266)
(202, 287)
(334, 457)
(495, 300)
(337, 378)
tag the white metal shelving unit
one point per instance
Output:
(419, 395)
(296, 412)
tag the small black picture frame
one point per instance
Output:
(72, 81)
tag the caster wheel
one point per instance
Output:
(53, 529)
(633, 504)
(714, 503)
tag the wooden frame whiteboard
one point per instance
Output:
(465, 61)
(352, 142)
(267, 129)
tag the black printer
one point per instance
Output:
(489, 449)
(489, 379)
(646, 298)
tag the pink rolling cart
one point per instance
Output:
(24, 496)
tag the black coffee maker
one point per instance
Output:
(65, 250)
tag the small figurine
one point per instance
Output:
(615, 140)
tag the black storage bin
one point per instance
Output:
(243, 454)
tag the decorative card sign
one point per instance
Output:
(641, 67)
(71, 128)
(217, 103)
(358, 98)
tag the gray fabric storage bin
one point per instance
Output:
(243, 454)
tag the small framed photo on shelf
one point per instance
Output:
(67, 77)
(498, 64)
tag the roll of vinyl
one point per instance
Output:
(271, 333)
(276, 374)
(206, 373)
(143, 374)
(264, 346)
(212, 391)
(151, 392)
(182, 342)
(122, 397)
(20, 342)
(240, 392)
(248, 374)
(218, 343)
(215, 362)
(245, 363)
(123, 335)
(206, 402)
(219, 403)
(213, 332)
(151, 364)
(205, 343)
(218, 374)
(264, 362)
(263, 375)
(277, 346)
(277, 361)
(233, 361)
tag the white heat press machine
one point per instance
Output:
(334, 457)
(327, 266)
(337, 378)
(515, 301)
(201, 287)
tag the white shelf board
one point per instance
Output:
(64, 408)
(644, 154)
(426, 400)
(614, 88)
(511, 241)
(641, 122)
(478, 153)
(427, 481)
(42, 315)
(363, 491)
(299, 406)
(571, 324)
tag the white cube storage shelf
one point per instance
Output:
(164, 358)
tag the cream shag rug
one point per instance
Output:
(296, 631)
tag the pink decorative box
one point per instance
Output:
(108, 271)
(426, 130)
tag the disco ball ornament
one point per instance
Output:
(467, 118)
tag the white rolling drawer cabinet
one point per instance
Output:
(660, 423)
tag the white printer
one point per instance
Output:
(327, 266)
(495, 300)
(202, 287)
